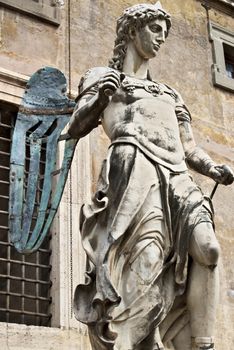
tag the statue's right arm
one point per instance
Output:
(91, 106)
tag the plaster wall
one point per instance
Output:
(184, 63)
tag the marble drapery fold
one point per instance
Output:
(130, 216)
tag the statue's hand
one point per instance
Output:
(222, 174)
(108, 85)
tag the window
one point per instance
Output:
(64, 252)
(47, 10)
(229, 60)
(25, 281)
(223, 56)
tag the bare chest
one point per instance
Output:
(144, 106)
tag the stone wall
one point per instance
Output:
(21, 337)
(184, 63)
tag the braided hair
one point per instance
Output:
(136, 17)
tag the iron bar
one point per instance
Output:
(5, 139)
(23, 279)
(23, 290)
(4, 228)
(37, 287)
(4, 182)
(26, 296)
(26, 313)
(8, 283)
(6, 126)
(27, 263)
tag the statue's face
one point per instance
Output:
(148, 39)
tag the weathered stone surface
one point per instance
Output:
(27, 44)
(20, 337)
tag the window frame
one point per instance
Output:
(220, 36)
(68, 257)
(48, 13)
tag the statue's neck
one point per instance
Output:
(134, 65)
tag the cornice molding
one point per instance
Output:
(13, 78)
(225, 6)
(12, 86)
(47, 13)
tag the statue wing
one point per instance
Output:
(43, 114)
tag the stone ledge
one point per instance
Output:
(12, 86)
(22, 337)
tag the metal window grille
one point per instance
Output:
(24, 279)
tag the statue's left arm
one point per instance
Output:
(196, 158)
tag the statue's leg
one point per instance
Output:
(203, 288)
(183, 341)
(153, 341)
(137, 282)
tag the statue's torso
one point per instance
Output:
(144, 111)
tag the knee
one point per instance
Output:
(212, 254)
(204, 247)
